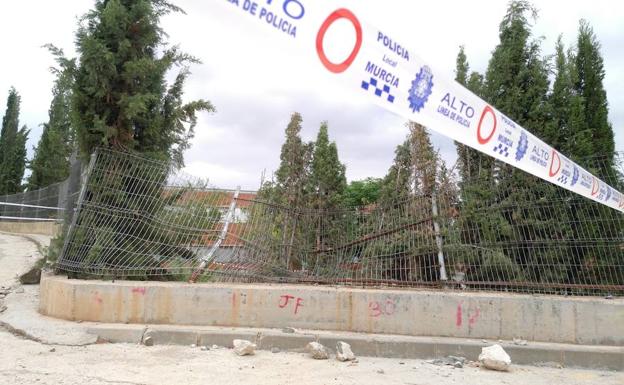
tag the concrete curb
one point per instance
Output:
(370, 345)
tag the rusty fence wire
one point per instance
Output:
(138, 218)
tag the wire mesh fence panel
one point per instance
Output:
(143, 219)
(45, 204)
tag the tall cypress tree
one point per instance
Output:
(121, 100)
(589, 85)
(592, 144)
(328, 180)
(50, 163)
(120, 96)
(12, 147)
(327, 186)
(290, 190)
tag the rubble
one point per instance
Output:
(244, 347)
(454, 361)
(519, 341)
(344, 352)
(494, 357)
(317, 351)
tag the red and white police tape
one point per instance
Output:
(392, 76)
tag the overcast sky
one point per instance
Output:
(256, 85)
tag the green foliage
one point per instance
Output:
(51, 160)
(12, 147)
(120, 95)
(362, 192)
(327, 179)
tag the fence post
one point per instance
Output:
(229, 217)
(436, 228)
(83, 188)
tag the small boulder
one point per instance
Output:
(32, 277)
(148, 338)
(520, 341)
(275, 349)
(317, 351)
(494, 357)
(344, 352)
(289, 330)
(244, 347)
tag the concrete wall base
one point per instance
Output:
(43, 228)
(585, 321)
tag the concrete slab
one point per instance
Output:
(367, 345)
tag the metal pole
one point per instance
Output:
(229, 217)
(436, 228)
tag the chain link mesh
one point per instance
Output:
(142, 219)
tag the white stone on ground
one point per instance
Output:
(244, 347)
(494, 357)
(344, 352)
(317, 351)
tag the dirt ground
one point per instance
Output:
(27, 362)
(24, 361)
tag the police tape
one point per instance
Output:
(393, 77)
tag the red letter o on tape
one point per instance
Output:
(480, 137)
(552, 173)
(595, 187)
(339, 14)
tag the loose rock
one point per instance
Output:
(244, 347)
(344, 352)
(205, 348)
(454, 361)
(148, 338)
(19, 291)
(519, 341)
(317, 351)
(289, 330)
(494, 357)
(275, 349)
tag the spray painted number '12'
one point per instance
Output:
(293, 8)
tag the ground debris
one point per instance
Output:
(494, 357)
(454, 361)
(344, 352)
(244, 347)
(317, 351)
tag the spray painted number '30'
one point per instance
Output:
(377, 308)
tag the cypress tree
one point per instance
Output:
(592, 144)
(12, 147)
(327, 186)
(51, 161)
(121, 100)
(589, 85)
(290, 190)
(120, 96)
(328, 180)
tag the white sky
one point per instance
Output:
(256, 85)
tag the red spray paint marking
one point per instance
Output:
(284, 300)
(376, 308)
(458, 320)
(472, 319)
(140, 290)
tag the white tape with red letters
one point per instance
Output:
(392, 76)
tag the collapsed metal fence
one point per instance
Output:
(142, 219)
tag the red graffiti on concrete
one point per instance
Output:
(473, 315)
(285, 299)
(377, 308)
(139, 290)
